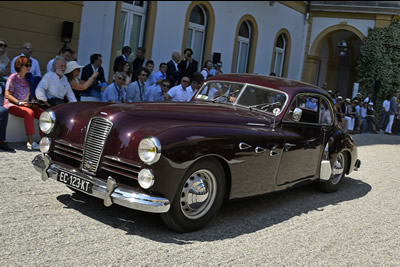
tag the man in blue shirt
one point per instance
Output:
(115, 92)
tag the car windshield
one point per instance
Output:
(251, 96)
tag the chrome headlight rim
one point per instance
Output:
(157, 150)
(51, 119)
(45, 144)
(146, 178)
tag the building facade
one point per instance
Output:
(314, 41)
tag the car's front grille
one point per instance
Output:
(68, 150)
(99, 129)
(120, 167)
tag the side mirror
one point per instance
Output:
(297, 114)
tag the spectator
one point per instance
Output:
(33, 77)
(161, 75)
(335, 96)
(115, 92)
(206, 70)
(393, 112)
(158, 92)
(138, 62)
(217, 70)
(17, 99)
(151, 79)
(181, 92)
(4, 66)
(385, 113)
(100, 82)
(72, 72)
(54, 86)
(188, 66)
(357, 121)
(126, 52)
(368, 98)
(350, 114)
(272, 74)
(125, 68)
(196, 83)
(27, 51)
(137, 91)
(65, 52)
(3, 127)
(172, 68)
(340, 114)
(372, 124)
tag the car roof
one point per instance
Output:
(291, 87)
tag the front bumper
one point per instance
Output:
(109, 191)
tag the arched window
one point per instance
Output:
(243, 47)
(280, 53)
(197, 32)
(131, 26)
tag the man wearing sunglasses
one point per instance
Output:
(27, 51)
(115, 92)
(158, 92)
(138, 91)
(182, 92)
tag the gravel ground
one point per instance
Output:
(45, 224)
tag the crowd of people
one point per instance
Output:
(358, 115)
(27, 93)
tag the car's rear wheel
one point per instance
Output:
(198, 198)
(338, 173)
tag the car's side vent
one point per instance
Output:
(68, 150)
(118, 166)
(98, 131)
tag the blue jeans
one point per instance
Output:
(3, 122)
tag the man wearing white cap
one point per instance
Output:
(77, 85)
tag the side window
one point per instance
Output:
(325, 111)
(309, 106)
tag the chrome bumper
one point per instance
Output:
(109, 191)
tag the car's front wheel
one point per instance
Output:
(198, 198)
(338, 173)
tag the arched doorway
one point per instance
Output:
(333, 59)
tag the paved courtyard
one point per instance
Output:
(45, 224)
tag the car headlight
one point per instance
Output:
(44, 144)
(149, 150)
(47, 121)
(146, 178)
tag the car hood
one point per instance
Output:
(191, 111)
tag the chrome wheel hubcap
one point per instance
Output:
(198, 194)
(338, 169)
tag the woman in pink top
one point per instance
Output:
(18, 101)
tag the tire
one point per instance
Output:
(198, 198)
(338, 173)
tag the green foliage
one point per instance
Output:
(380, 60)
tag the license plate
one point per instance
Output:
(74, 181)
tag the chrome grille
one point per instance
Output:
(98, 131)
(68, 150)
(121, 167)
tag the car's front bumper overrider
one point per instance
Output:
(109, 191)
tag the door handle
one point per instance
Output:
(288, 146)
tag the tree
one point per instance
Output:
(380, 63)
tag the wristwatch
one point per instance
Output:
(18, 103)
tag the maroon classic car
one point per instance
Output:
(240, 136)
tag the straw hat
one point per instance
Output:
(348, 100)
(71, 66)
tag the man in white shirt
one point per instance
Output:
(54, 86)
(385, 113)
(65, 52)
(182, 92)
(27, 51)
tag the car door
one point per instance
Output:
(303, 142)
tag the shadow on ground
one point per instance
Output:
(234, 219)
(376, 139)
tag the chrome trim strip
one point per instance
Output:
(120, 195)
(68, 156)
(121, 161)
(119, 173)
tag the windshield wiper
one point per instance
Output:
(226, 96)
(263, 106)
